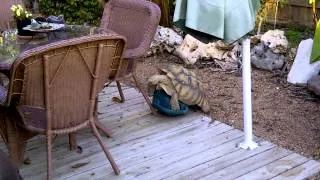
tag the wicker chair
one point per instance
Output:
(137, 20)
(5, 13)
(54, 88)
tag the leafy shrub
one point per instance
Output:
(315, 55)
(74, 11)
(294, 37)
(267, 7)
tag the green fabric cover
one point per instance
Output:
(225, 19)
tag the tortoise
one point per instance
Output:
(181, 84)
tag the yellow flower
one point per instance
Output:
(313, 1)
(19, 6)
(28, 15)
(18, 12)
(13, 8)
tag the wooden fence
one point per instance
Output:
(295, 12)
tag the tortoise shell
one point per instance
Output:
(189, 89)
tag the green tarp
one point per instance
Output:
(225, 19)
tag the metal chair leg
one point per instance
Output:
(122, 99)
(105, 148)
(102, 128)
(154, 112)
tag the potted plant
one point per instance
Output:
(23, 18)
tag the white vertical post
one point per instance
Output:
(247, 104)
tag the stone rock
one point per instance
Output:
(255, 39)
(165, 39)
(301, 70)
(292, 54)
(191, 50)
(262, 57)
(313, 84)
(275, 40)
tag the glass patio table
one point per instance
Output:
(11, 45)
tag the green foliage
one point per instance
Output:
(267, 7)
(315, 55)
(294, 37)
(74, 11)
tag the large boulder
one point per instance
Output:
(165, 39)
(275, 40)
(191, 50)
(313, 84)
(262, 57)
(301, 70)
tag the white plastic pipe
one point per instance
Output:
(247, 103)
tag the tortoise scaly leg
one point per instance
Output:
(174, 102)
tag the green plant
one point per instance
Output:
(294, 36)
(267, 6)
(314, 11)
(20, 13)
(74, 11)
(315, 54)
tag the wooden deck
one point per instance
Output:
(148, 147)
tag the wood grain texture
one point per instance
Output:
(157, 147)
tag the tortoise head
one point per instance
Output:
(205, 107)
(152, 84)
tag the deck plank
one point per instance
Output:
(157, 147)
(221, 162)
(127, 150)
(275, 168)
(124, 116)
(147, 170)
(106, 100)
(127, 132)
(140, 151)
(300, 172)
(180, 164)
(242, 167)
(145, 160)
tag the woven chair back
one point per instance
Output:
(55, 86)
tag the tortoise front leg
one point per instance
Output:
(174, 102)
